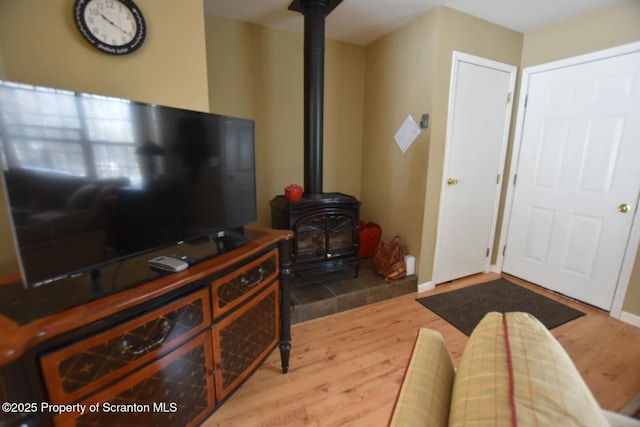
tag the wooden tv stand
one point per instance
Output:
(164, 352)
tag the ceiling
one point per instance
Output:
(363, 21)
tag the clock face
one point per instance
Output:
(113, 26)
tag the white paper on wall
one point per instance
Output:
(408, 132)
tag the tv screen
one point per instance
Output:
(91, 179)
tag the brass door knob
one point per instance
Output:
(624, 208)
(452, 181)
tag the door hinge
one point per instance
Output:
(515, 178)
(526, 100)
(509, 97)
(504, 250)
(488, 251)
(498, 179)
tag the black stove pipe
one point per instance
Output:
(315, 12)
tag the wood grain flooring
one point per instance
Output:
(346, 368)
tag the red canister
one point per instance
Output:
(293, 192)
(369, 239)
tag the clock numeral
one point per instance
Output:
(95, 30)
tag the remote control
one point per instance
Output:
(186, 258)
(167, 263)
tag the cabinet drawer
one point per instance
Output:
(175, 390)
(232, 289)
(244, 339)
(87, 365)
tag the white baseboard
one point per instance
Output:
(630, 318)
(427, 286)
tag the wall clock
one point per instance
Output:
(112, 26)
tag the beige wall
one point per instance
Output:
(2, 72)
(400, 77)
(608, 27)
(257, 72)
(42, 46)
(632, 298)
(39, 44)
(408, 72)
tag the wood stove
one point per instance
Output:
(325, 225)
(325, 231)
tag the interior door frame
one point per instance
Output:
(634, 236)
(457, 58)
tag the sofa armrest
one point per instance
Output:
(619, 420)
(514, 372)
(425, 394)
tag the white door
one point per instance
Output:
(578, 178)
(477, 133)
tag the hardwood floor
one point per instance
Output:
(346, 368)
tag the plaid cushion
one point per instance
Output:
(514, 373)
(425, 394)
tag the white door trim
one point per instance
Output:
(459, 57)
(634, 235)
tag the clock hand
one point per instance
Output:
(112, 23)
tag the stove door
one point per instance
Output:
(340, 235)
(325, 236)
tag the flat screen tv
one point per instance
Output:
(90, 180)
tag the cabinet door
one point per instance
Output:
(244, 339)
(175, 390)
(87, 365)
(233, 289)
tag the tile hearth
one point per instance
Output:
(320, 295)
